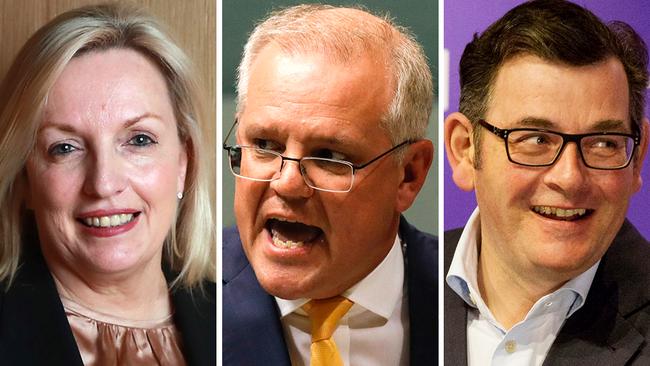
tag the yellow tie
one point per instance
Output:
(325, 315)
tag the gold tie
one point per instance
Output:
(325, 315)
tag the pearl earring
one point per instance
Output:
(179, 195)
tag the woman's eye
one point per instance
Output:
(61, 149)
(141, 140)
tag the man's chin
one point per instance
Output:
(283, 288)
(295, 285)
(564, 265)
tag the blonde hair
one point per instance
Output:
(189, 248)
(341, 33)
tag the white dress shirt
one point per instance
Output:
(373, 332)
(527, 342)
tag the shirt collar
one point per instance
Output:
(462, 273)
(378, 292)
(461, 276)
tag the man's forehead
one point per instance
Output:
(310, 93)
(530, 91)
(526, 59)
(341, 34)
(334, 133)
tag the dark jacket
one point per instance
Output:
(252, 331)
(34, 329)
(613, 326)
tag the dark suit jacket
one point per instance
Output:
(252, 331)
(34, 329)
(612, 328)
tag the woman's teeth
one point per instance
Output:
(108, 221)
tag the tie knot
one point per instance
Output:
(325, 315)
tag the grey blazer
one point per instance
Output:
(613, 326)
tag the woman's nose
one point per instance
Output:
(105, 175)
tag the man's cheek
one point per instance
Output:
(247, 202)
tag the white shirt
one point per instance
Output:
(527, 342)
(373, 332)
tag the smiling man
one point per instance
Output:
(330, 150)
(551, 137)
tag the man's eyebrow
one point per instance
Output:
(602, 125)
(609, 125)
(257, 129)
(536, 122)
(333, 141)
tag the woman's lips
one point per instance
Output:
(108, 225)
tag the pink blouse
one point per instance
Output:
(104, 340)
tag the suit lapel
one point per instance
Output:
(605, 331)
(252, 331)
(595, 335)
(421, 265)
(252, 321)
(455, 311)
(34, 329)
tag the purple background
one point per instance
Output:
(463, 19)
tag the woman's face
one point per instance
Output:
(107, 165)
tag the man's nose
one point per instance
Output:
(569, 173)
(106, 175)
(289, 181)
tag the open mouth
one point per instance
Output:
(292, 234)
(108, 221)
(562, 214)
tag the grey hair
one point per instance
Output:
(341, 35)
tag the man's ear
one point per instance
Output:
(415, 164)
(641, 152)
(460, 149)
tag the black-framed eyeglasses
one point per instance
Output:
(330, 175)
(540, 147)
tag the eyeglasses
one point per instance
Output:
(540, 147)
(329, 175)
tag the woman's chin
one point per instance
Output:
(117, 260)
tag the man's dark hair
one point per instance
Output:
(555, 31)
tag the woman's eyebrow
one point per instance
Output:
(148, 115)
(69, 127)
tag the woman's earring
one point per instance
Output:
(179, 195)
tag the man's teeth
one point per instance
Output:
(283, 219)
(288, 244)
(559, 212)
(108, 221)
